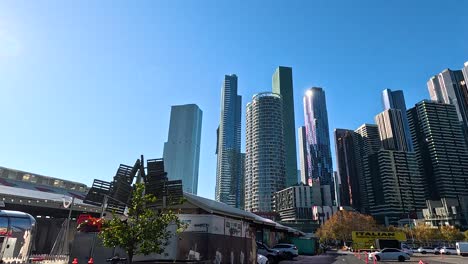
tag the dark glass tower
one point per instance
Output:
(396, 100)
(318, 138)
(348, 161)
(283, 85)
(440, 149)
(229, 184)
(392, 129)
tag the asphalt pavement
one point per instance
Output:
(345, 257)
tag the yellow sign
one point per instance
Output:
(366, 239)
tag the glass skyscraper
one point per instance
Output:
(229, 183)
(318, 138)
(283, 85)
(264, 152)
(182, 149)
(396, 100)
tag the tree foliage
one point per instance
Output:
(341, 224)
(449, 233)
(144, 231)
(466, 235)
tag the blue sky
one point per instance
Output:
(87, 85)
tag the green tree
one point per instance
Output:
(144, 231)
(425, 234)
(466, 235)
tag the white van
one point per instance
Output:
(462, 248)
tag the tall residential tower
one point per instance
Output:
(229, 184)
(283, 85)
(318, 138)
(264, 152)
(182, 149)
(396, 100)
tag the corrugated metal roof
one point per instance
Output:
(224, 209)
(26, 193)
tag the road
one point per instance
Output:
(344, 257)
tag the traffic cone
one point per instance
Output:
(91, 261)
(367, 258)
(75, 261)
(375, 260)
(421, 262)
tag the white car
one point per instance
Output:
(262, 259)
(271, 254)
(288, 251)
(448, 251)
(389, 254)
(425, 250)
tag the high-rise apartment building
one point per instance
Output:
(348, 160)
(182, 149)
(302, 138)
(449, 87)
(265, 155)
(395, 185)
(368, 143)
(283, 84)
(229, 184)
(318, 138)
(440, 149)
(392, 130)
(396, 100)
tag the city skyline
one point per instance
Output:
(67, 83)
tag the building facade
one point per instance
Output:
(396, 100)
(391, 130)
(304, 168)
(348, 160)
(283, 84)
(229, 187)
(182, 149)
(368, 142)
(265, 155)
(440, 149)
(295, 203)
(395, 185)
(318, 139)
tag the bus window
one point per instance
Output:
(20, 239)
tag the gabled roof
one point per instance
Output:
(215, 207)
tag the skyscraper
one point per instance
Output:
(368, 142)
(265, 155)
(391, 129)
(283, 85)
(229, 185)
(449, 87)
(440, 149)
(395, 186)
(301, 132)
(348, 161)
(182, 149)
(396, 100)
(318, 139)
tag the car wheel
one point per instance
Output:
(401, 259)
(271, 259)
(424, 252)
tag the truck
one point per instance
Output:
(365, 240)
(462, 248)
(387, 243)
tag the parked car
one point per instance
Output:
(390, 254)
(287, 251)
(271, 254)
(262, 259)
(425, 250)
(448, 251)
(437, 250)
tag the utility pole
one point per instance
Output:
(67, 230)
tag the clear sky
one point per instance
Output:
(87, 85)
